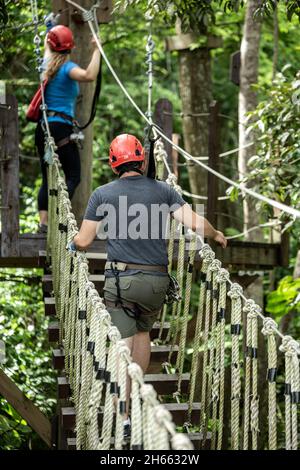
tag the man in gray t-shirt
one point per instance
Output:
(132, 214)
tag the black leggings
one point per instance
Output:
(68, 156)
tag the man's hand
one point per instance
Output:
(220, 238)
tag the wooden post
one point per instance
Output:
(163, 117)
(28, 410)
(213, 156)
(235, 66)
(9, 165)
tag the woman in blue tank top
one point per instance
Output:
(60, 95)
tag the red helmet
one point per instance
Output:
(60, 38)
(125, 148)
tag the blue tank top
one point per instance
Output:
(61, 93)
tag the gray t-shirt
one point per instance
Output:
(134, 212)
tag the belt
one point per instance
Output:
(119, 266)
(63, 142)
(60, 114)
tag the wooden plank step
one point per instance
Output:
(53, 331)
(195, 437)
(97, 279)
(178, 411)
(164, 384)
(49, 304)
(63, 388)
(159, 354)
(58, 359)
(96, 260)
(71, 443)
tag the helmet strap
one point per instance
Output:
(136, 170)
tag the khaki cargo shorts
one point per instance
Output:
(148, 291)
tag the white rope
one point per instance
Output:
(252, 229)
(237, 149)
(194, 196)
(224, 154)
(184, 153)
(76, 5)
(199, 196)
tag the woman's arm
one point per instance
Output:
(199, 224)
(90, 73)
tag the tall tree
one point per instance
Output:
(195, 85)
(248, 102)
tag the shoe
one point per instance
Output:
(42, 228)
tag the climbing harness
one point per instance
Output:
(132, 309)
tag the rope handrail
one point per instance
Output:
(275, 223)
(211, 319)
(85, 321)
(281, 206)
(184, 153)
(79, 307)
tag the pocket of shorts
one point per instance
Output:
(159, 286)
(110, 283)
(125, 282)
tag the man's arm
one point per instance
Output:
(86, 234)
(198, 224)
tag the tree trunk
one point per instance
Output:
(82, 55)
(296, 273)
(195, 92)
(276, 40)
(248, 102)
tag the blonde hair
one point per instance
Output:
(56, 60)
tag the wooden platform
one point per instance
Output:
(238, 255)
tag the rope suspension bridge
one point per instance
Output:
(203, 389)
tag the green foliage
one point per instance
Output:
(275, 168)
(23, 329)
(29, 211)
(285, 298)
(198, 15)
(3, 12)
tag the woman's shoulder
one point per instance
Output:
(68, 66)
